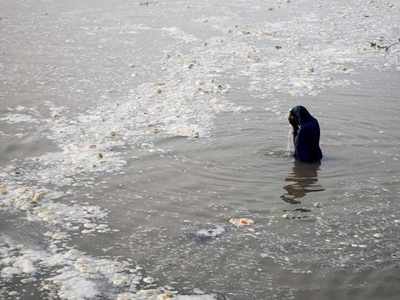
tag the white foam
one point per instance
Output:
(311, 50)
(79, 276)
(210, 232)
(15, 118)
(16, 264)
(74, 287)
(195, 297)
(41, 205)
(179, 34)
(158, 294)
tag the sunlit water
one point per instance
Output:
(133, 131)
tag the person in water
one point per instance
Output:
(306, 135)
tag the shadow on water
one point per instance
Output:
(303, 179)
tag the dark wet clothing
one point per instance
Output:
(306, 136)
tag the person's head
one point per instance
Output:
(298, 115)
(292, 120)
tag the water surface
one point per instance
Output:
(133, 131)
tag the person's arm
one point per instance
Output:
(295, 126)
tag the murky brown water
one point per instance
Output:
(330, 252)
(148, 125)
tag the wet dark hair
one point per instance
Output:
(300, 114)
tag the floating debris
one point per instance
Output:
(3, 189)
(37, 196)
(162, 294)
(300, 209)
(379, 46)
(185, 132)
(148, 280)
(298, 217)
(209, 233)
(241, 221)
(56, 235)
(147, 3)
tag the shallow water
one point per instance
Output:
(132, 132)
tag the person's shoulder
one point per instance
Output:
(312, 123)
(310, 126)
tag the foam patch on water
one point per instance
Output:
(13, 265)
(73, 275)
(157, 294)
(59, 168)
(79, 276)
(43, 205)
(195, 297)
(179, 34)
(15, 118)
(211, 232)
(307, 53)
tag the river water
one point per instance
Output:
(132, 132)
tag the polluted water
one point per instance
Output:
(142, 150)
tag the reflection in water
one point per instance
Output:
(302, 180)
